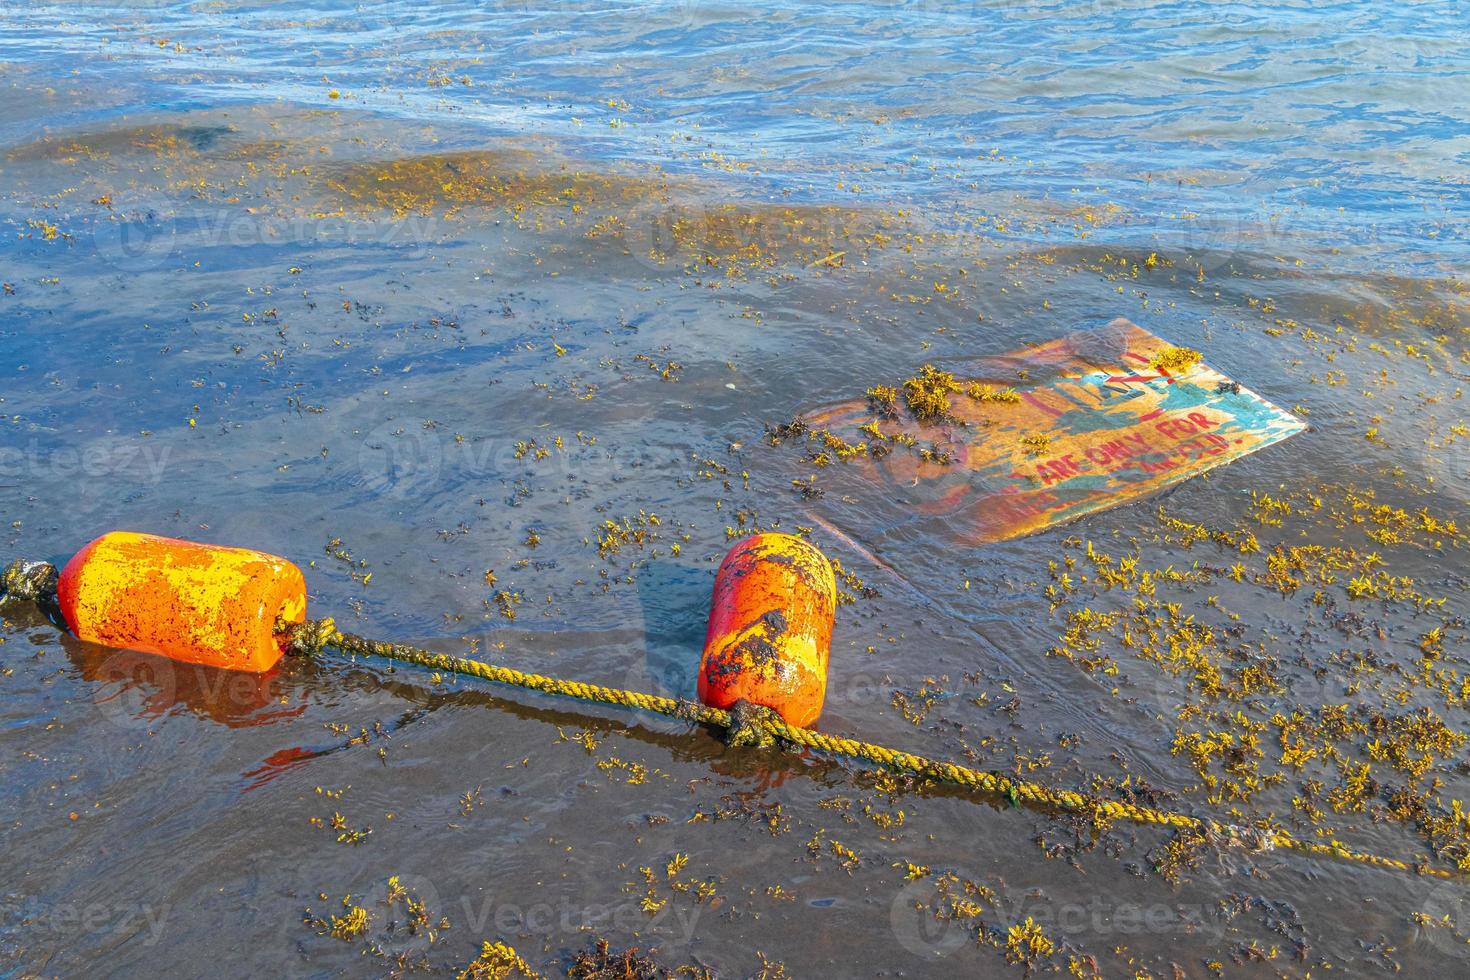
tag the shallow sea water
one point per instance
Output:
(395, 292)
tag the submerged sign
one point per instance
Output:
(1089, 421)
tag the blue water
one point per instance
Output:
(1339, 124)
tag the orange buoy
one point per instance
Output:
(770, 626)
(198, 603)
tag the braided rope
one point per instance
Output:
(751, 725)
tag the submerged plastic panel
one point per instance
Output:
(1097, 424)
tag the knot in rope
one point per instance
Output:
(31, 581)
(309, 638)
(753, 726)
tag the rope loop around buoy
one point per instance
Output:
(753, 726)
(309, 638)
(750, 725)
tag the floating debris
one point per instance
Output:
(1100, 422)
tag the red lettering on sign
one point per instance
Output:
(1201, 419)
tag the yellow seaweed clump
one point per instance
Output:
(497, 961)
(1176, 359)
(349, 926)
(1036, 444)
(884, 400)
(987, 393)
(1026, 943)
(927, 393)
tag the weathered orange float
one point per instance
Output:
(770, 626)
(197, 603)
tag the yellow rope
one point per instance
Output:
(753, 725)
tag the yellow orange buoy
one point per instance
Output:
(770, 626)
(198, 603)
